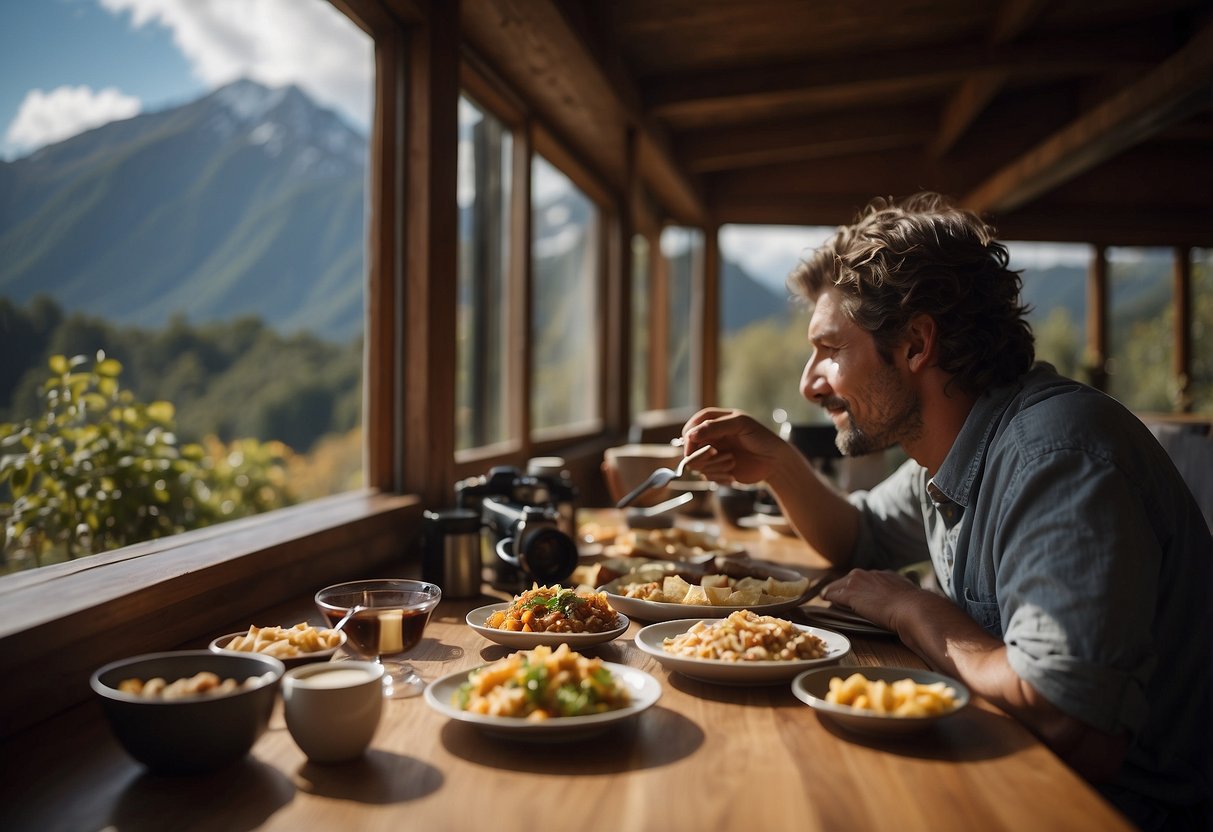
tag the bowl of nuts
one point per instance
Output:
(191, 710)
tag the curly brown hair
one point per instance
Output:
(924, 256)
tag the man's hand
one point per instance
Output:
(746, 450)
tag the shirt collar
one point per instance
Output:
(954, 480)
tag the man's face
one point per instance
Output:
(870, 400)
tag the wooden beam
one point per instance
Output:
(431, 234)
(707, 95)
(967, 103)
(838, 135)
(1161, 98)
(1182, 361)
(534, 48)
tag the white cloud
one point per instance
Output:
(770, 252)
(1044, 255)
(276, 42)
(47, 117)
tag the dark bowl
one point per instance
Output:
(193, 734)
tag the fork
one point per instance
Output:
(662, 477)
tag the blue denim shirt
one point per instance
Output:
(1062, 527)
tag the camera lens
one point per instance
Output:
(548, 554)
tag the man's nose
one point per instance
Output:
(813, 385)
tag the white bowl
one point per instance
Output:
(812, 686)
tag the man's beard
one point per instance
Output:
(896, 417)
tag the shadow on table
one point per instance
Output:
(655, 738)
(377, 778)
(239, 797)
(971, 735)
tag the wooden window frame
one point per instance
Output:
(173, 592)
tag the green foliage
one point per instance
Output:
(98, 469)
(761, 367)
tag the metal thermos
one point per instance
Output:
(451, 551)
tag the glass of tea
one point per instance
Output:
(383, 620)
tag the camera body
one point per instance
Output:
(529, 518)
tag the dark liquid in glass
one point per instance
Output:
(381, 632)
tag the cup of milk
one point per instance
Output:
(332, 709)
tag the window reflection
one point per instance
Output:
(682, 249)
(564, 323)
(482, 365)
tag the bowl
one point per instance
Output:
(219, 645)
(196, 733)
(627, 466)
(812, 686)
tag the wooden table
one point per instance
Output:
(705, 757)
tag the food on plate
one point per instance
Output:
(716, 590)
(745, 636)
(204, 683)
(540, 684)
(285, 642)
(903, 698)
(556, 609)
(672, 544)
(597, 531)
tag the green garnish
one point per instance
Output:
(562, 600)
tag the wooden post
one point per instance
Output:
(1183, 329)
(709, 350)
(1096, 358)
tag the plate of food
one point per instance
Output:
(881, 701)
(743, 648)
(550, 615)
(293, 646)
(677, 543)
(544, 695)
(664, 596)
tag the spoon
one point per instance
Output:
(354, 610)
(662, 477)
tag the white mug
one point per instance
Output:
(332, 709)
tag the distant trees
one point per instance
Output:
(98, 469)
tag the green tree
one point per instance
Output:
(98, 469)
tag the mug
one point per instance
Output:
(332, 708)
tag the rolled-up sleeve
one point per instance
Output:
(891, 530)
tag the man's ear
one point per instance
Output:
(920, 343)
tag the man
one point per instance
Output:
(1075, 562)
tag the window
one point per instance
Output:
(1140, 329)
(484, 371)
(565, 268)
(762, 330)
(640, 324)
(1055, 287)
(214, 254)
(682, 249)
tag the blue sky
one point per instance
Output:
(69, 65)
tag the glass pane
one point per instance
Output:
(564, 302)
(1201, 384)
(640, 324)
(1055, 287)
(682, 249)
(483, 371)
(763, 331)
(182, 209)
(1141, 328)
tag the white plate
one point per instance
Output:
(643, 689)
(528, 641)
(811, 687)
(219, 645)
(844, 620)
(662, 611)
(650, 639)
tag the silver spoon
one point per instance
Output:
(663, 477)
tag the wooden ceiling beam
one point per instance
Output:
(1167, 94)
(838, 135)
(535, 49)
(709, 94)
(977, 91)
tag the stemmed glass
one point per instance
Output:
(384, 618)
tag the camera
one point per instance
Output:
(530, 520)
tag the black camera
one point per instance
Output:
(530, 518)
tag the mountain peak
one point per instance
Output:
(248, 100)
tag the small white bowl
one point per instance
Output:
(812, 686)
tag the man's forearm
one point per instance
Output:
(820, 515)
